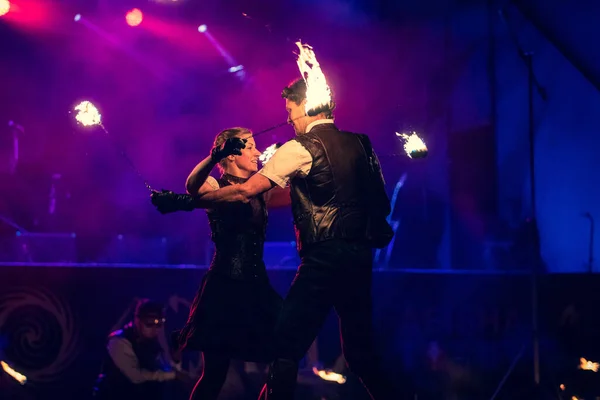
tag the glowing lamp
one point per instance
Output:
(134, 17)
(4, 7)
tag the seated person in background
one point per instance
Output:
(135, 366)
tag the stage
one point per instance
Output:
(454, 332)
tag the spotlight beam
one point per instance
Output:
(160, 71)
(234, 66)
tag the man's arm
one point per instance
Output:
(380, 194)
(254, 186)
(209, 195)
(122, 354)
(288, 161)
(375, 182)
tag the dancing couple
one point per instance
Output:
(339, 205)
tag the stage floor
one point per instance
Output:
(453, 330)
(390, 270)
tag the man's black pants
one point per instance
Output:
(335, 274)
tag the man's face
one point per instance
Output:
(149, 327)
(297, 116)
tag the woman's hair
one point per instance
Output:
(228, 134)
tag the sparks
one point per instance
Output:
(318, 94)
(588, 365)
(268, 153)
(22, 379)
(413, 145)
(87, 114)
(328, 375)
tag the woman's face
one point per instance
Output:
(248, 160)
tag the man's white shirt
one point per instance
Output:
(290, 160)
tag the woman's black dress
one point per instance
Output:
(235, 310)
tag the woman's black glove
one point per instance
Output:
(232, 146)
(167, 201)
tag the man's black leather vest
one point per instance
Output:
(113, 384)
(336, 200)
(238, 231)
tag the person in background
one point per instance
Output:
(135, 366)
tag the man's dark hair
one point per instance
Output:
(146, 308)
(296, 92)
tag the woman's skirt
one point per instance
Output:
(232, 318)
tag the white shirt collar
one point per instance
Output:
(318, 122)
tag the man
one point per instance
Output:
(339, 206)
(11, 207)
(134, 367)
(9, 146)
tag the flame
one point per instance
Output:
(22, 379)
(330, 376)
(268, 153)
(87, 114)
(588, 365)
(318, 94)
(414, 146)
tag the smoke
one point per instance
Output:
(164, 100)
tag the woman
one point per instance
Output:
(235, 309)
